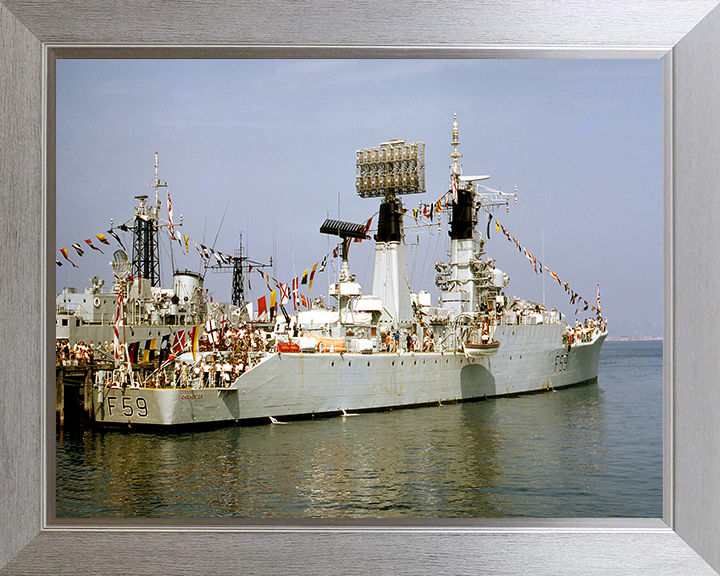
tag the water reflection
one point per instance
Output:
(539, 455)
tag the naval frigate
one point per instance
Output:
(476, 343)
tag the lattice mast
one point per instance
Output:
(240, 267)
(146, 254)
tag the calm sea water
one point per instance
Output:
(591, 451)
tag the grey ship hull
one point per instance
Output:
(285, 385)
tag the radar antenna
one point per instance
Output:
(387, 171)
(466, 191)
(391, 169)
(346, 231)
(120, 264)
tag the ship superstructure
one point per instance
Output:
(389, 348)
(150, 311)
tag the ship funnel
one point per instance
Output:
(188, 287)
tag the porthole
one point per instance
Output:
(393, 363)
(349, 364)
(368, 363)
(415, 363)
(332, 364)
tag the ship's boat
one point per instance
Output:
(474, 350)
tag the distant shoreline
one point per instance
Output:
(631, 338)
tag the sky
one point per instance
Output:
(266, 148)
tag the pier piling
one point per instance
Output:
(73, 391)
(60, 397)
(87, 394)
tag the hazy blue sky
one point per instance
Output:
(274, 142)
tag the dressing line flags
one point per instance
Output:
(538, 266)
(292, 290)
(205, 253)
(89, 242)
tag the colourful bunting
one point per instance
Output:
(262, 307)
(194, 338)
(178, 343)
(116, 238)
(63, 251)
(538, 267)
(367, 227)
(284, 293)
(178, 237)
(312, 276)
(171, 228)
(117, 325)
(555, 276)
(199, 251)
(89, 243)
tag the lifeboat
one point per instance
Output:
(474, 350)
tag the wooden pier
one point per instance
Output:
(73, 388)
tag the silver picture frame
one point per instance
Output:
(684, 33)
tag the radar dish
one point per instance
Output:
(120, 264)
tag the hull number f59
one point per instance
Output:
(561, 362)
(128, 407)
